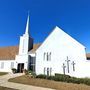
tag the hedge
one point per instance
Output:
(65, 78)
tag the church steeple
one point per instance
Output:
(26, 42)
(27, 26)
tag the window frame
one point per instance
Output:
(12, 65)
(2, 65)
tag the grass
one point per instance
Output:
(3, 73)
(5, 88)
(49, 83)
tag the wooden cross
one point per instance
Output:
(73, 63)
(64, 68)
(67, 63)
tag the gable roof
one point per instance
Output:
(57, 29)
(35, 47)
(9, 53)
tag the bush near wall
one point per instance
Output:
(65, 78)
(41, 76)
(62, 77)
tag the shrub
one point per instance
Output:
(74, 80)
(65, 78)
(41, 76)
(26, 72)
(14, 70)
(57, 77)
(62, 77)
(86, 81)
(50, 77)
(32, 73)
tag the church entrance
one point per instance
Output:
(20, 67)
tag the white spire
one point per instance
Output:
(27, 26)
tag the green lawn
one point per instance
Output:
(3, 73)
(4, 88)
(49, 83)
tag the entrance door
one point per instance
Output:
(20, 67)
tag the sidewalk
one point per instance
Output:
(4, 82)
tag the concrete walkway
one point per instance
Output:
(4, 82)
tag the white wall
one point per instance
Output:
(19, 59)
(60, 45)
(7, 65)
(23, 46)
(22, 59)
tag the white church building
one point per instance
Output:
(59, 53)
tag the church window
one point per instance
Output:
(32, 64)
(44, 56)
(47, 71)
(50, 71)
(23, 46)
(44, 70)
(12, 64)
(2, 65)
(47, 56)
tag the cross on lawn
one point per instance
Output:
(67, 63)
(64, 68)
(73, 63)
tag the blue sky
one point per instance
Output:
(73, 16)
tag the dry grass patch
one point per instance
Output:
(5, 88)
(49, 83)
(3, 73)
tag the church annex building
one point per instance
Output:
(59, 53)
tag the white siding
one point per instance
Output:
(5, 65)
(60, 45)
